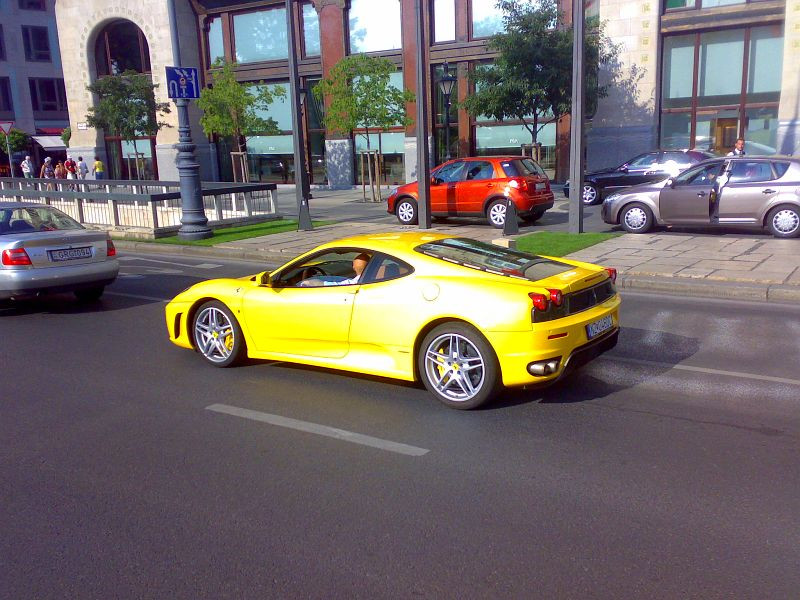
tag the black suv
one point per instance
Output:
(651, 166)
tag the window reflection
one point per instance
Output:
(261, 35)
(310, 30)
(486, 18)
(216, 49)
(444, 20)
(374, 25)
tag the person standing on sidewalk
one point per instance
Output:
(83, 168)
(71, 168)
(27, 168)
(738, 148)
(98, 170)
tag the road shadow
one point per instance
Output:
(67, 304)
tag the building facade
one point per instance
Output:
(687, 73)
(32, 93)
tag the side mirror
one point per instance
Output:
(624, 169)
(266, 279)
(671, 183)
(435, 181)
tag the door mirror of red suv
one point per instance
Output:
(435, 181)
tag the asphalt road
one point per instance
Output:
(131, 469)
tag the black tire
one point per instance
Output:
(406, 211)
(591, 194)
(483, 381)
(784, 221)
(91, 294)
(533, 216)
(231, 350)
(496, 213)
(636, 218)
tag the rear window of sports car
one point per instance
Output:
(493, 259)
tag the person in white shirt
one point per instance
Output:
(738, 148)
(83, 168)
(315, 280)
(27, 168)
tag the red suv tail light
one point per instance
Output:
(518, 183)
(16, 257)
(110, 248)
(540, 301)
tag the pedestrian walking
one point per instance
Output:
(60, 171)
(47, 171)
(27, 168)
(71, 168)
(98, 170)
(83, 168)
(738, 148)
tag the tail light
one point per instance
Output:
(556, 297)
(612, 274)
(110, 248)
(540, 301)
(16, 257)
(518, 183)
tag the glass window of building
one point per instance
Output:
(678, 73)
(36, 41)
(765, 64)
(315, 113)
(48, 95)
(761, 131)
(713, 3)
(311, 44)
(497, 140)
(271, 157)
(32, 5)
(261, 35)
(216, 47)
(444, 20)
(121, 46)
(2, 44)
(486, 18)
(6, 102)
(391, 144)
(374, 25)
(674, 4)
(720, 81)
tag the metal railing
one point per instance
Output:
(146, 206)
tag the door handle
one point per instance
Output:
(701, 194)
(768, 191)
(489, 185)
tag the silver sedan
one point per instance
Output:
(755, 191)
(43, 250)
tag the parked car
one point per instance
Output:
(754, 191)
(43, 250)
(463, 317)
(479, 187)
(651, 166)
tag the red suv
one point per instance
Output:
(469, 187)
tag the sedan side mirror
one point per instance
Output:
(624, 169)
(671, 183)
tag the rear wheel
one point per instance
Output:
(91, 294)
(458, 366)
(407, 211)
(784, 221)
(496, 213)
(590, 194)
(636, 218)
(217, 335)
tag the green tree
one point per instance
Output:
(127, 107)
(66, 136)
(531, 78)
(359, 95)
(231, 109)
(17, 139)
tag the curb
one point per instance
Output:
(274, 258)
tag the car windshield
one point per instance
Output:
(522, 167)
(493, 259)
(34, 218)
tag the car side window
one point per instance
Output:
(331, 267)
(450, 173)
(679, 157)
(704, 175)
(745, 171)
(780, 168)
(389, 268)
(479, 170)
(643, 161)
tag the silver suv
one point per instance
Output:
(755, 191)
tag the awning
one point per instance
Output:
(49, 130)
(49, 142)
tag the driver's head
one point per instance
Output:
(360, 263)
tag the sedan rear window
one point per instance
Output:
(35, 218)
(522, 167)
(493, 259)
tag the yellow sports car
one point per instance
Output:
(464, 317)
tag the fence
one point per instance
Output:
(143, 208)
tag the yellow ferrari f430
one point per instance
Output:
(464, 317)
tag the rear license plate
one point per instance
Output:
(598, 327)
(70, 254)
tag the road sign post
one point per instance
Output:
(5, 127)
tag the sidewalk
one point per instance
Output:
(744, 267)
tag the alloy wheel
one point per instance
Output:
(497, 214)
(589, 194)
(455, 367)
(405, 212)
(214, 334)
(786, 221)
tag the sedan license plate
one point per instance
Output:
(70, 254)
(598, 327)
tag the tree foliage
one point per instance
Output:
(531, 78)
(126, 106)
(66, 135)
(359, 95)
(232, 109)
(17, 139)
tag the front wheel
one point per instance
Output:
(636, 218)
(784, 221)
(217, 335)
(407, 211)
(458, 366)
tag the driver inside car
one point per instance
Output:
(311, 276)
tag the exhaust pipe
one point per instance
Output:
(544, 367)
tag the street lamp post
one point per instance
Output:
(423, 156)
(576, 122)
(446, 84)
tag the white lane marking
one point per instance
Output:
(137, 297)
(305, 426)
(171, 262)
(739, 374)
